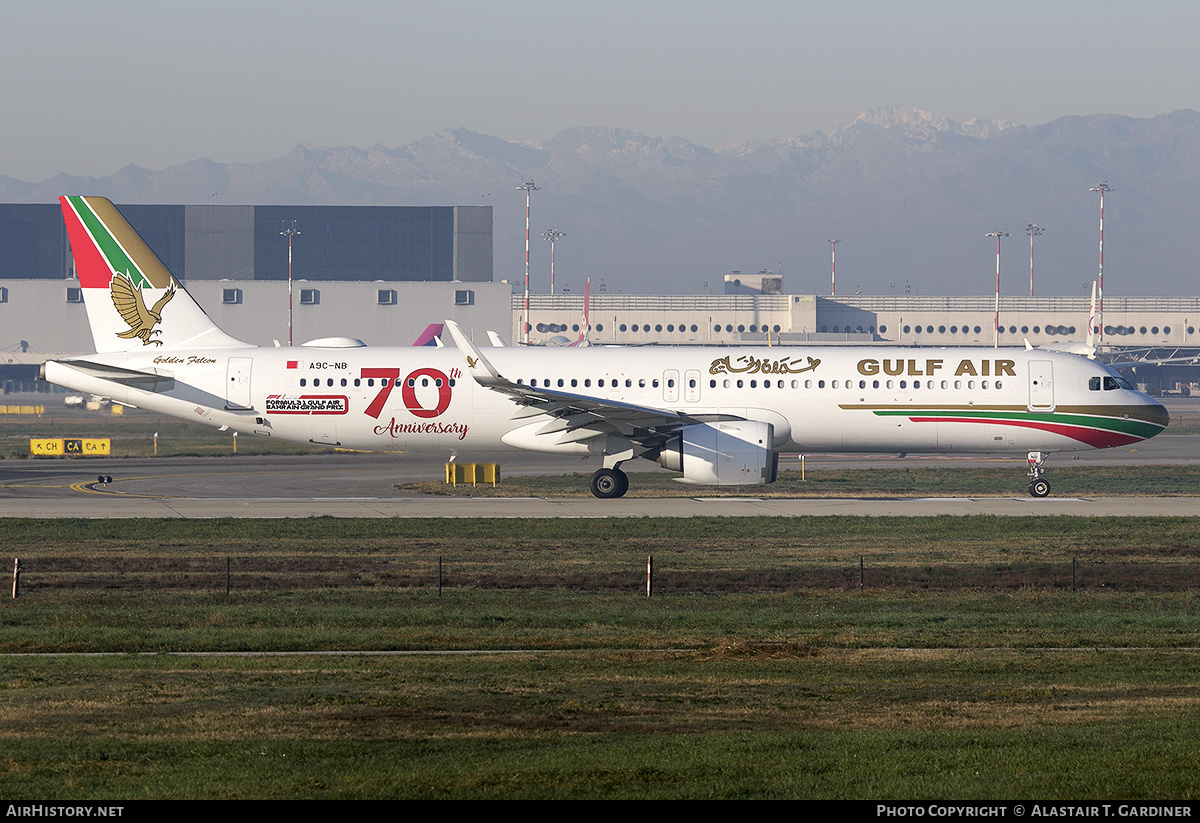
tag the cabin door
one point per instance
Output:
(1041, 385)
(237, 383)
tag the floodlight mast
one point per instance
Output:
(833, 267)
(552, 235)
(1033, 230)
(1102, 188)
(527, 188)
(289, 233)
(996, 322)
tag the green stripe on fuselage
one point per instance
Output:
(1136, 428)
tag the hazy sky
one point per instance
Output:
(90, 87)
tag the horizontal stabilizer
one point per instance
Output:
(146, 381)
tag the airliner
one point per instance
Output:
(718, 416)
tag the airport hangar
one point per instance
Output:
(383, 273)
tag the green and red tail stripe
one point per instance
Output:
(103, 243)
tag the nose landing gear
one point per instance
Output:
(1038, 486)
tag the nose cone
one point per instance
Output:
(1157, 414)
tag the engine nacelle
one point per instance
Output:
(729, 453)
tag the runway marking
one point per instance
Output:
(89, 486)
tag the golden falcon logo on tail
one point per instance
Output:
(128, 300)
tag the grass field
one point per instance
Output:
(965, 668)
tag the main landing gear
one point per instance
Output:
(1038, 487)
(609, 483)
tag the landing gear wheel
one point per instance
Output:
(1039, 488)
(609, 483)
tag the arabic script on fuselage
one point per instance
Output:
(748, 364)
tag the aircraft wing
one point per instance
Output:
(579, 417)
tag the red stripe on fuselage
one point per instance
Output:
(1096, 438)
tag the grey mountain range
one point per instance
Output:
(909, 196)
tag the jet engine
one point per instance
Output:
(728, 453)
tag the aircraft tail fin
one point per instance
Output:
(132, 300)
(1094, 320)
(582, 340)
(430, 336)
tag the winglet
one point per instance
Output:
(482, 370)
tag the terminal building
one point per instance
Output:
(383, 273)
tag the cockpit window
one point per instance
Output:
(1112, 383)
(1093, 384)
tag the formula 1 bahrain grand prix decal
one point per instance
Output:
(426, 394)
(307, 404)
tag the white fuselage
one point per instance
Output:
(817, 398)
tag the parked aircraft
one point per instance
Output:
(718, 416)
(432, 336)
